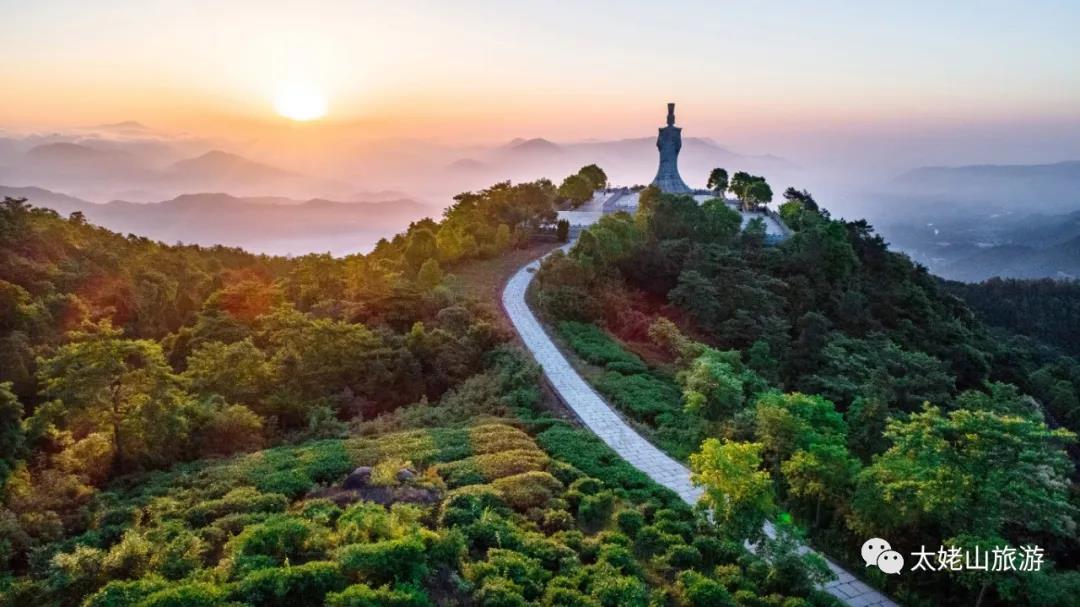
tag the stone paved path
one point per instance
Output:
(591, 409)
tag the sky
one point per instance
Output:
(766, 76)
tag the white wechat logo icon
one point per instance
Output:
(878, 552)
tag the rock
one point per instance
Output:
(358, 479)
(405, 475)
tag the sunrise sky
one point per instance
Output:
(487, 70)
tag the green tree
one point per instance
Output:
(239, 372)
(715, 383)
(12, 437)
(576, 190)
(595, 176)
(823, 472)
(786, 423)
(718, 181)
(430, 275)
(758, 193)
(719, 222)
(968, 472)
(737, 490)
(562, 230)
(127, 383)
(422, 246)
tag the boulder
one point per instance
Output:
(358, 479)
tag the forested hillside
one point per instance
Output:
(203, 427)
(830, 378)
(122, 355)
(1046, 310)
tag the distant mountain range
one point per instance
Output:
(273, 225)
(1040, 186)
(132, 162)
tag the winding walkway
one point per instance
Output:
(591, 409)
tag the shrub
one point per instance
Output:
(595, 510)
(500, 592)
(397, 560)
(650, 541)
(525, 573)
(195, 594)
(361, 595)
(557, 520)
(281, 537)
(627, 368)
(594, 345)
(681, 556)
(495, 438)
(321, 511)
(587, 486)
(123, 593)
(700, 591)
(553, 555)
(715, 551)
(364, 522)
(467, 504)
(300, 586)
(230, 429)
(630, 521)
(618, 557)
(384, 473)
(613, 590)
(460, 473)
(567, 597)
(241, 500)
(527, 490)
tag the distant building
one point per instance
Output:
(669, 142)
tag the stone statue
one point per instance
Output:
(669, 142)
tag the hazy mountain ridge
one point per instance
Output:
(265, 225)
(1053, 186)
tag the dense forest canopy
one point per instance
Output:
(830, 378)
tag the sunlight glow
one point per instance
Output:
(300, 103)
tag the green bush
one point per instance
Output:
(618, 557)
(567, 597)
(527, 490)
(466, 505)
(650, 541)
(281, 537)
(243, 500)
(630, 521)
(681, 556)
(614, 590)
(195, 594)
(398, 560)
(525, 573)
(361, 595)
(593, 345)
(300, 586)
(700, 591)
(595, 510)
(125, 593)
(500, 592)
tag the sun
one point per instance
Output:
(300, 103)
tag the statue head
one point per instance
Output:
(671, 114)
